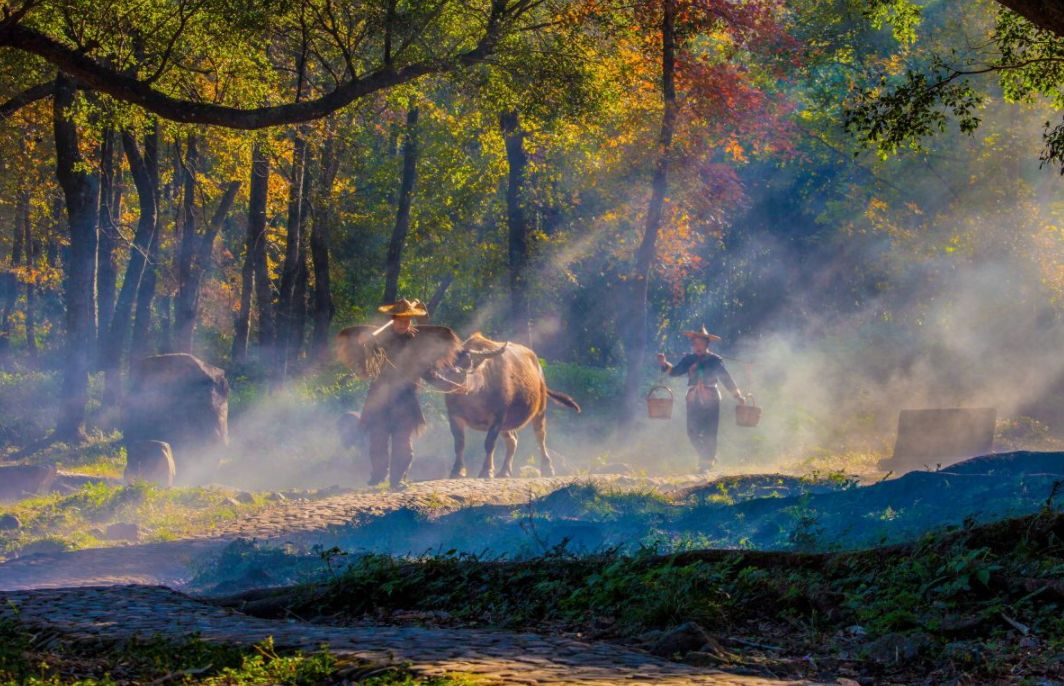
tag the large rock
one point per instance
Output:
(21, 481)
(149, 461)
(893, 649)
(180, 400)
(685, 638)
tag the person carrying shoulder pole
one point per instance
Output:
(703, 370)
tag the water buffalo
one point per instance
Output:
(501, 390)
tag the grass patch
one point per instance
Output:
(101, 455)
(80, 519)
(192, 661)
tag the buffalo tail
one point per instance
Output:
(563, 399)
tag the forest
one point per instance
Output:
(861, 200)
(238, 180)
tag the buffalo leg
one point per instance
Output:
(458, 431)
(510, 439)
(539, 425)
(487, 470)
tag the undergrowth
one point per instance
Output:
(80, 519)
(983, 600)
(193, 661)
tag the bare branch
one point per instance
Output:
(26, 97)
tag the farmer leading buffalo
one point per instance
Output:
(703, 369)
(399, 357)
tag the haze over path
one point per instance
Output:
(172, 563)
(88, 595)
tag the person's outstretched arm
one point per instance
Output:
(680, 369)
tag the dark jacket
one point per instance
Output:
(392, 397)
(701, 369)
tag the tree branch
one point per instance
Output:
(128, 89)
(26, 97)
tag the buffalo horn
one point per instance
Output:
(481, 355)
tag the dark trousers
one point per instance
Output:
(703, 418)
(402, 452)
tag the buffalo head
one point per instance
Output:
(468, 361)
(474, 353)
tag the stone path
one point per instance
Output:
(120, 612)
(173, 563)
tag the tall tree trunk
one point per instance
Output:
(260, 171)
(437, 295)
(203, 247)
(141, 342)
(294, 267)
(402, 214)
(107, 267)
(184, 300)
(298, 327)
(321, 226)
(516, 220)
(114, 341)
(166, 338)
(9, 278)
(80, 190)
(639, 324)
(31, 252)
(254, 249)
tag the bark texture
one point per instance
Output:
(323, 216)
(81, 194)
(254, 254)
(516, 220)
(393, 266)
(640, 278)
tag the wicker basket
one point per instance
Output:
(748, 414)
(659, 406)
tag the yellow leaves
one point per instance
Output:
(876, 209)
(39, 275)
(734, 149)
(895, 64)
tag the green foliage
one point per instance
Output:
(901, 113)
(23, 418)
(79, 519)
(190, 661)
(949, 582)
(902, 16)
(594, 386)
(893, 111)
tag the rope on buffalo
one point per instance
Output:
(456, 388)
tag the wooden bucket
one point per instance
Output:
(659, 406)
(749, 414)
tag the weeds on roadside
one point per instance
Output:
(191, 661)
(948, 586)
